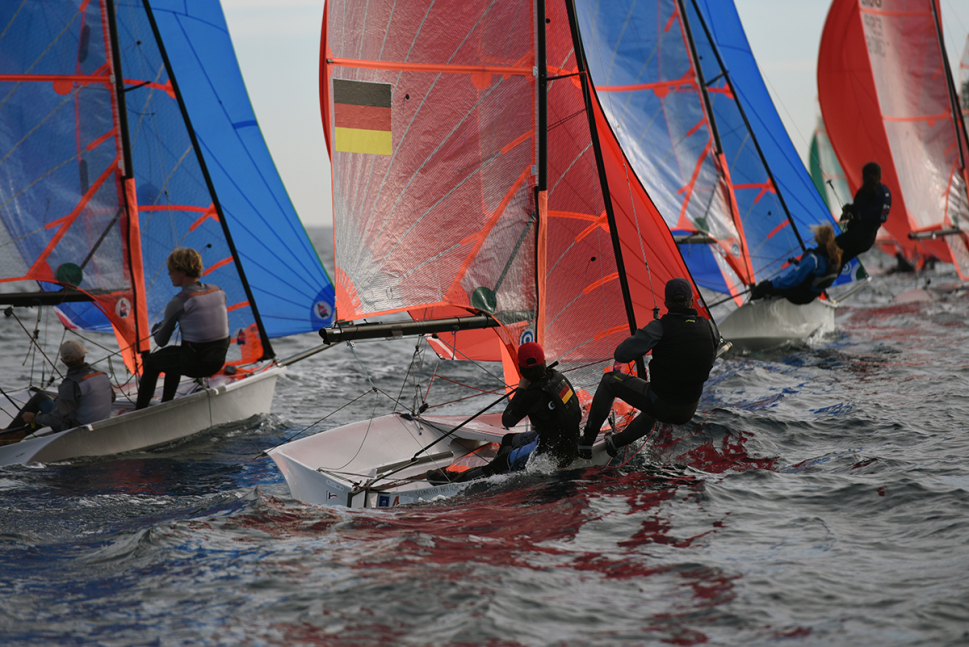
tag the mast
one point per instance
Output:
(584, 75)
(583, 68)
(950, 88)
(132, 231)
(708, 106)
(542, 97)
(715, 131)
(268, 352)
(753, 137)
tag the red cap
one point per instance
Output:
(530, 354)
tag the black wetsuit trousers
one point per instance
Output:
(194, 360)
(634, 391)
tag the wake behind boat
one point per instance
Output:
(120, 143)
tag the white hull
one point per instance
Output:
(128, 430)
(766, 323)
(370, 464)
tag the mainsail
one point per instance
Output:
(684, 96)
(127, 132)
(887, 95)
(474, 173)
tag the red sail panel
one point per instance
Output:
(584, 315)
(438, 217)
(885, 97)
(650, 255)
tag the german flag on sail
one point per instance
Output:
(361, 117)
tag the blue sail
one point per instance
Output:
(681, 89)
(288, 281)
(198, 157)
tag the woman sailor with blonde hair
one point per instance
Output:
(804, 280)
(199, 311)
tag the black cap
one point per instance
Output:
(678, 291)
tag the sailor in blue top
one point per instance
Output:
(85, 396)
(804, 280)
(200, 313)
(684, 347)
(861, 219)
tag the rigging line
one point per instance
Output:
(455, 352)
(413, 360)
(265, 452)
(16, 406)
(10, 313)
(730, 298)
(470, 397)
(424, 449)
(366, 373)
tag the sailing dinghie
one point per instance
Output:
(682, 92)
(478, 189)
(127, 132)
(887, 95)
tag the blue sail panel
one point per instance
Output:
(640, 59)
(291, 288)
(793, 183)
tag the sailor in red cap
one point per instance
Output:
(684, 346)
(547, 398)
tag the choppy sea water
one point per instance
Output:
(819, 497)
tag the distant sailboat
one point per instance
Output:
(683, 93)
(887, 95)
(478, 189)
(127, 132)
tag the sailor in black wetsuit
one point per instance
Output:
(684, 346)
(861, 219)
(547, 398)
(85, 396)
(200, 313)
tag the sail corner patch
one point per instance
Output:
(361, 117)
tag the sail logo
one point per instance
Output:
(122, 308)
(322, 310)
(361, 117)
(527, 337)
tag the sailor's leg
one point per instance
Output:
(639, 427)
(657, 409)
(34, 405)
(628, 388)
(164, 360)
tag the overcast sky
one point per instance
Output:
(278, 46)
